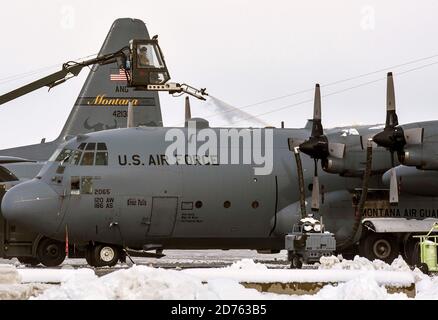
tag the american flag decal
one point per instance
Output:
(118, 76)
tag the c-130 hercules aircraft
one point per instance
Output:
(198, 187)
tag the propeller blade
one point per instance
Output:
(315, 194)
(393, 187)
(317, 145)
(317, 129)
(392, 137)
(391, 115)
(188, 112)
(130, 118)
(336, 150)
(414, 135)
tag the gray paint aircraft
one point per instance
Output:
(119, 188)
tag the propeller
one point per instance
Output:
(394, 137)
(318, 147)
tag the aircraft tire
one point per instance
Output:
(50, 253)
(411, 251)
(106, 255)
(380, 246)
(32, 261)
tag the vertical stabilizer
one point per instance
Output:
(103, 101)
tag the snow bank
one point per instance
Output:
(29, 275)
(9, 274)
(248, 271)
(142, 282)
(361, 263)
(346, 279)
(138, 282)
(427, 288)
(363, 287)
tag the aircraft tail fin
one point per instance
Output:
(103, 101)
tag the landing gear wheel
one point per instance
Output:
(296, 262)
(29, 261)
(379, 246)
(51, 252)
(411, 251)
(101, 255)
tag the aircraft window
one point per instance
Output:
(64, 155)
(76, 157)
(148, 56)
(87, 185)
(75, 185)
(255, 204)
(101, 158)
(157, 77)
(101, 146)
(198, 204)
(227, 204)
(90, 146)
(87, 159)
(82, 146)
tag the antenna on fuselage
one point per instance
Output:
(130, 118)
(188, 112)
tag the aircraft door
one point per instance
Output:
(164, 211)
(134, 218)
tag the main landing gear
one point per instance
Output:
(382, 246)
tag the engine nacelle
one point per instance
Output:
(414, 181)
(420, 156)
(342, 167)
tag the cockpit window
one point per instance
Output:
(101, 158)
(64, 155)
(101, 146)
(87, 159)
(76, 157)
(85, 155)
(90, 146)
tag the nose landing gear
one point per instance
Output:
(102, 255)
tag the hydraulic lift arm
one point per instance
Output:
(69, 70)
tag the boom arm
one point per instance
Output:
(69, 70)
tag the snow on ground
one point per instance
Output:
(357, 279)
(248, 271)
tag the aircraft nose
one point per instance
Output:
(33, 204)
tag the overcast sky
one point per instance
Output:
(243, 52)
